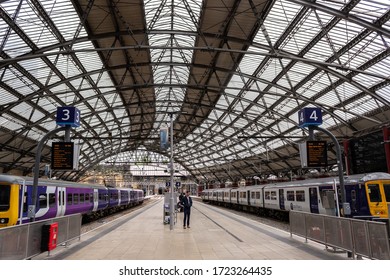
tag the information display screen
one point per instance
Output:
(62, 155)
(317, 154)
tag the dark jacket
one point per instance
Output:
(187, 202)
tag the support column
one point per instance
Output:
(171, 200)
(346, 157)
(386, 142)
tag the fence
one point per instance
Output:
(360, 237)
(24, 241)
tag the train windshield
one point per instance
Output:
(374, 192)
(386, 187)
(5, 192)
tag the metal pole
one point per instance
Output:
(32, 207)
(172, 206)
(346, 208)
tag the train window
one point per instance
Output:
(374, 192)
(300, 195)
(76, 198)
(52, 199)
(328, 198)
(87, 197)
(253, 195)
(267, 195)
(82, 198)
(25, 206)
(353, 195)
(112, 196)
(386, 187)
(290, 196)
(69, 199)
(353, 200)
(273, 195)
(257, 195)
(43, 200)
(5, 193)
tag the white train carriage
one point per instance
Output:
(244, 196)
(205, 195)
(366, 195)
(307, 196)
(226, 195)
(256, 196)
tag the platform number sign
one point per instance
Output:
(309, 116)
(68, 116)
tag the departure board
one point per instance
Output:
(62, 155)
(317, 154)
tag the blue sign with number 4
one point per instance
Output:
(310, 116)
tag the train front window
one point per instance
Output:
(5, 192)
(386, 187)
(374, 193)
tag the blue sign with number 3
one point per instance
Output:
(68, 116)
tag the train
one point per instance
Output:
(56, 198)
(368, 197)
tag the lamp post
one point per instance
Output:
(171, 201)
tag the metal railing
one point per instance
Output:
(360, 237)
(24, 241)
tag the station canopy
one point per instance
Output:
(230, 75)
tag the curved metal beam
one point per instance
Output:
(347, 17)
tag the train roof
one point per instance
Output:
(43, 181)
(348, 179)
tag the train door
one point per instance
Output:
(61, 207)
(248, 197)
(95, 199)
(313, 198)
(281, 199)
(386, 189)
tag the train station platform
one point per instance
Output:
(215, 234)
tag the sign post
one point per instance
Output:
(66, 118)
(312, 119)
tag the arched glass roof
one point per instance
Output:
(232, 74)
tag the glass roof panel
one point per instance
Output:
(384, 92)
(282, 13)
(278, 84)
(15, 46)
(11, 123)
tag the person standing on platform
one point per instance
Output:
(187, 204)
(180, 203)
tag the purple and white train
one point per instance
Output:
(367, 194)
(60, 198)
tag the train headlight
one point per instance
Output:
(3, 221)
